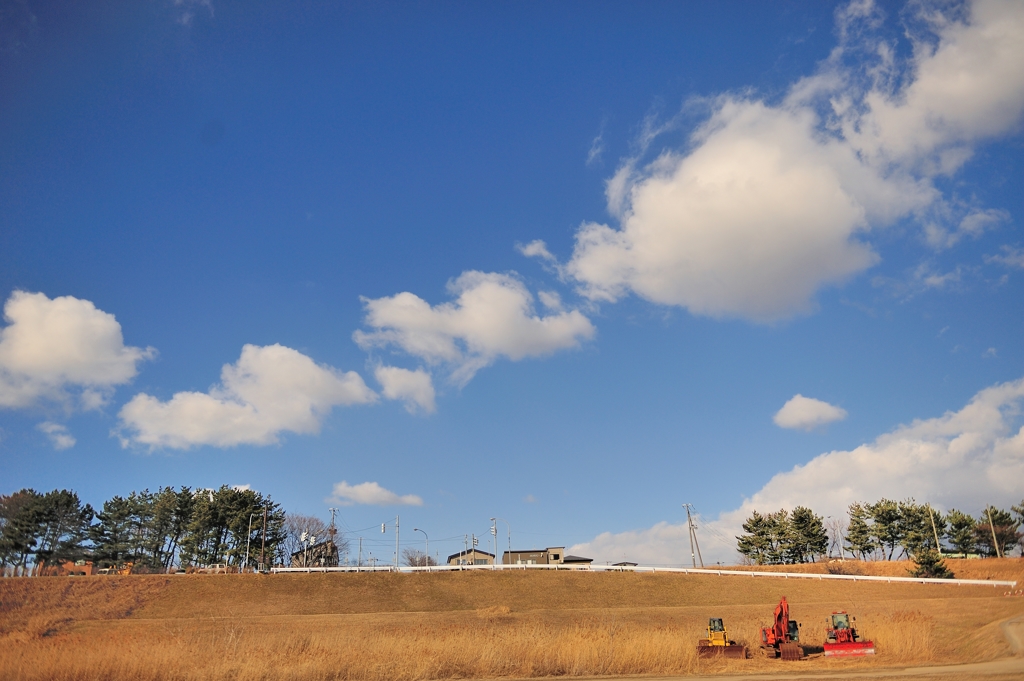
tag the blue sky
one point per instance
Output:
(569, 265)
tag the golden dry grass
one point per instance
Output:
(461, 625)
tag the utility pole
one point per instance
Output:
(693, 538)
(263, 540)
(359, 559)
(397, 557)
(935, 533)
(494, 533)
(992, 526)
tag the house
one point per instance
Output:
(553, 555)
(471, 557)
(324, 554)
(577, 561)
(624, 563)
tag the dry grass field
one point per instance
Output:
(477, 624)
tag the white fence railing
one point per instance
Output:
(641, 568)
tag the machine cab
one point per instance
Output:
(715, 625)
(794, 631)
(840, 620)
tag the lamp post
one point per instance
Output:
(426, 540)
(496, 537)
(245, 563)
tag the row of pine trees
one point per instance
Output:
(153, 530)
(884, 530)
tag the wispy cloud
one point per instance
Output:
(58, 434)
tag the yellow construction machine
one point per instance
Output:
(717, 644)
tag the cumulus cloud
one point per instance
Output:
(415, 388)
(59, 436)
(269, 390)
(62, 350)
(370, 494)
(963, 459)
(807, 413)
(491, 317)
(772, 202)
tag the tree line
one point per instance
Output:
(152, 530)
(884, 530)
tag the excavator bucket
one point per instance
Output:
(791, 651)
(734, 651)
(851, 649)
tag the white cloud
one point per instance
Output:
(536, 249)
(492, 317)
(270, 390)
(59, 436)
(370, 494)
(596, 150)
(415, 388)
(62, 350)
(242, 488)
(807, 413)
(1011, 257)
(963, 459)
(773, 202)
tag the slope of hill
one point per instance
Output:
(478, 624)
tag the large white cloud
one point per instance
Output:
(491, 317)
(807, 413)
(774, 201)
(963, 459)
(371, 494)
(62, 350)
(269, 390)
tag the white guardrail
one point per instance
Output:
(641, 568)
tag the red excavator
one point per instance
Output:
(782, 639)
(842, 640)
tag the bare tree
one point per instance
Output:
(295, 525)
(837, 535)
(416, 558)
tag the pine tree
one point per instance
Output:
(807, 537)
(1005, 530)
(886, 526)
(961, 532)
(930, 564)
(860, 539)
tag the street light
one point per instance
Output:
(496, 537)
(245, 563)
(426, 539)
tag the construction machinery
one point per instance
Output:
(842, 639)
(782, 638)
(717, 644)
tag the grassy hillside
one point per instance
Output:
(476, 624)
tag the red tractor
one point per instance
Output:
(782, 638)
(842, 640)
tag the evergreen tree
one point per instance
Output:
(20, 519)
(930, 564)
(886, 526)
(915, 531)
(112, 534)
(860, 539)
(1005, 530)
(765, 537)
(63, 527)
(961, 532)
(806, 538)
